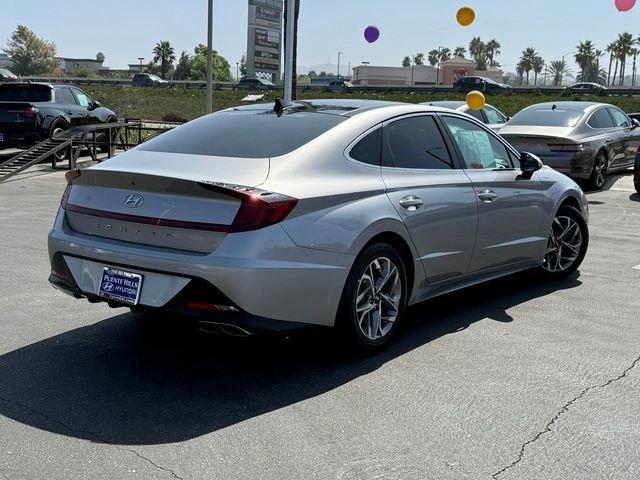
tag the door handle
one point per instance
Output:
(607, 140)
(487, 196)
(411, 203)
(69, 112)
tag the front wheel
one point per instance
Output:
(374, 297)
(567, 244)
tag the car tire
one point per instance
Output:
(637, 185)
(56, 129)
(598, 176)
(567, 244)
(370, 312)
(105, 148)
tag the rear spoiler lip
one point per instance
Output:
(158, 222)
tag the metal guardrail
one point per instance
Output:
(199, 84)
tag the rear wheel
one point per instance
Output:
(56, 130)
(567, 244)
(599, 173)
(374, 297)
(110, 137)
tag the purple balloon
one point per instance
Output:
(371, 34)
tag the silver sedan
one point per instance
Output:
(331, 213)
(488, 114)
(584, 140)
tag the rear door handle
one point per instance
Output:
(487, 196)
(411, 203)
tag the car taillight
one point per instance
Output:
(258, 208)
(31, 112)
(565, 147)
(70, 176)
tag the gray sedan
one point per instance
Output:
(330, 213)
(584, 140)
(488, 115)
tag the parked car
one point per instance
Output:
(588, 87)
(33, 112)
(147, 80)
(339, 86)
(488, 115)
(328, 212)
(255, 83)
(7, 76)
(482, 84)
(584, 140)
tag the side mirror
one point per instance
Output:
(529, 163)
(94, 105)
(634, 124)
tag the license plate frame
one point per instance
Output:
(120, 285)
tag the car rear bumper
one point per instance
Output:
(15, 135)
(262, 273)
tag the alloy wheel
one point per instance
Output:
(600, 171)
(564, 245)
(378, 298)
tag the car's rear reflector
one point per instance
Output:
(70, 176)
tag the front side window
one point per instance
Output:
(601, 119)
(620, 119)
(480, 150)
(367, 150)
(83, 98)
(493, 115)
(415, 142)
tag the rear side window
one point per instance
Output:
(415, 142)
(477, 114)
(250, 134)
(620, 119)
(64, 96)
(547, 117)
(479, 149)
(601, 119)
(368, 149)
(25, 93)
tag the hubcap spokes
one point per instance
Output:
(378, 298)
(563, 247)
(600, 171)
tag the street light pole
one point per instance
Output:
(288, 49)
(237, 71)
(209, 106)
(562, 78)
(339, 55)
(141, 59)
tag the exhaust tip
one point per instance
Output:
(219, 328)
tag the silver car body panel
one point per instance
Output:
(295, 270)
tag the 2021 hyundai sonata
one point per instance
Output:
(333, 213)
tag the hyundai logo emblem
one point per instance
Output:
(133, 200)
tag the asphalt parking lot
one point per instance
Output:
(512, 379)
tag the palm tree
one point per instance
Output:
(459, 52)
(433, 57)
(559, 69)
(585, 58)
(526, 60)
(625, 45)
(611, 49)
(476, 46)
(444, 54)
(493, 51)
(419, 59)
(164, 53)
(482, 61)
(406, 62)
(537, 64)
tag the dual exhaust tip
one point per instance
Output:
(220, 328)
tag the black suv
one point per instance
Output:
(33, 112)
(482, 84)
(255, 83)
(147, 80)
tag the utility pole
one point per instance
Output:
(288, 49)
(349, 71)
(237, 71)
(209, 106)
(339, 55)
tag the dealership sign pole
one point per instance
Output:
(288, 48)
(209, 106)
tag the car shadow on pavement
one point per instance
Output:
(141, 380)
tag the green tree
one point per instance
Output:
(476, 46)
(434, 57)
(243, 66)
(183, 68)
(100, 57)
(537, 64)
(612, 51)
(492, 49)
(444, 54)
(312, 74)
(460, 52)
(482, 61)
(625, 46)
(164, 54)
(29, 54)
(406, 61)
(221, 67)
(559, 69)
(419, 59)
(526, 61)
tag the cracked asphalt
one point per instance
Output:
(515, 379)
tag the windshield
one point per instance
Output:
(547, 117)
(25, 93)
(245, 134)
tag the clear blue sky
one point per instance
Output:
(124, 30)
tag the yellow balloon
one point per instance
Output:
(466, 16)
(475, 100)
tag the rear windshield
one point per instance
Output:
(25, 93)
(547, 117)
(248, 134)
